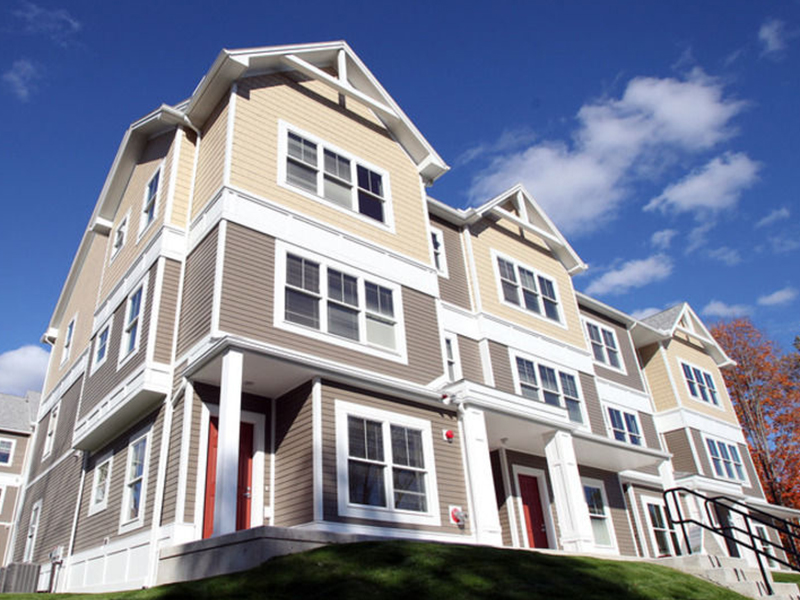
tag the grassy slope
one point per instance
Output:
(786, 577)
(419, 571)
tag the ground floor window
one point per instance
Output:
(663, 535)
(602, 529)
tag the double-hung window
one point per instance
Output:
(101, 484)
(451, 357)
(50, 435)
(386, 460)
(68, 340)
(135, 487)
(437, 247)
(726, 460)
(527, 289)
(624, 426)
(320, 169)
(604, 345)
(132, 328)
(602, 528)
(101, 346)
(119, 238)
(7, 451)
(664, 538)
(33, 529)
(150, 201)
(549, 385)
(700, 383)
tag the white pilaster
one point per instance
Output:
(573, 514)
(230, 415)
(485, 517)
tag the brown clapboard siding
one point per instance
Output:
(616, 504)
(194, 456)
(593, 408)
(455, 287)
(447, 455)
(211, 157)
(67, 408)
(108, 376)
(172, 473)
(682, 456)
(5, 533)
(702, 453)
(21, 445)
(644, 517)
(247, 309)
(198, 293)
(548, 506)
(166, 312)
(649, 430)
(755, 488)
(632, 376)
(9, 500)
(503, 501)
(501, 368)
(294, 477)
(470, 353)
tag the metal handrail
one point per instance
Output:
(751, 515)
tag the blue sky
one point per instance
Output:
(663, 138)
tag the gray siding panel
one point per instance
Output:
(166, 314)
(682, 456)
(68, 406)
(616, 504)
(702, 452)
(470, 355)
(9, 500)
(755, 488)
(455, 287)
(632, 377)
(501, 368)
(649, 431)
(198, 293)
(593, 408)
(194, 457)
(171, 480)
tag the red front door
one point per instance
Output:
(245, 479)
(532, 509)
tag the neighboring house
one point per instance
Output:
(17, 420)
(268, 323)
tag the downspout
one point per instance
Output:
(72, 535)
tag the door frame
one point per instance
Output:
(544, 497)
(258, 421)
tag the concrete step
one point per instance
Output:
(789, 590)
(726, 574)
(704, 561)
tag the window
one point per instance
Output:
(604, 345)
(7, 451)
(135, 489)
(522, 287)
(131, 332)
(557, 388)
(33, 528)
(346, 182)
(385, 461)
(726, 460)
(700, 383)
(452, 360)
(664, 539)
(766, 546)
(150, 202)
(624, 426)
(437, 247)
(602, 528)
(119, 237)
(50, 436)
(346, 306)
(68, 339)
(101, 484)
(101, 347)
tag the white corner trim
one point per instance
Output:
(175, 164)
(230, 126)
(183, 468)
(316, 424)
(155, 310)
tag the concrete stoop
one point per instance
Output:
(732, 573)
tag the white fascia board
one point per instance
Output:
(624, 396)
(681, 418)
(604, 309)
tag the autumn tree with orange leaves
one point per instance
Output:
(765, 389)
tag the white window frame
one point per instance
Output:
(437, 238)
(120, 231)
(124, 340)
(285, 128)
(69, 339)
(676, 550)
(454, 358)
(603, 329)
(745, 481)
(144, 224)
(432, 516)
(50, 432)
(96, 364)
(11, 450)
(628, 435)
(397, 354)
(127, 524)
(94, 506)
(2, 497)
(520, 306)
(598, 483)
(714, 398)
(30, 537)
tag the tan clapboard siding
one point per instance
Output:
(108, 375)
(166, 313)
(593, 408)
(616, 504)
(9, 500)
(20, 446)
(67, 408)
(702, 453)
(198, 293)
(470, 354)
(682, 456)
(294, 465)
(5, 533)
(644, 517)
(502, 499)
(172, 473)
(57, 489)
(93, 529)
(548, 505)
(455, 287)
(501, 368)
(158, 151)
(693, 353)
(649, 431)
(80, 305)
(755, 488)
(313, 107)
(211, 157)
(658, 378)
(194, 456)
(527, 250)
(183, 178)
(447, 455)
(632, 377)
(247, 309)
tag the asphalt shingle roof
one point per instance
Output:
(18, 413)
(664, 320)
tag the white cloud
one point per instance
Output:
(781, 244)
(57, 24)
(21, 78)
(698, 236)
(716, 308)
(643, 313)
(779, 214)
(772, 37)
(511, 139)
(783, 296)
(661, 240)
(714, 187)
(632, 274)
(23, 369)
(728, 256)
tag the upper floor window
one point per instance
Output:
(101, 346)
(150, 202)
(68, 339)
(701, 384)
(101, 484)
(548, 385)
(347, 182)
(50, 436)
(134, 490)
(119, 237)
(452, 361)
(437, 246)
(624, 426)
(526, 289)
(7, 451)
(726, 460)
(604, 345)
(132, 329)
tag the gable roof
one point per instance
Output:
(18, 413)
(682, 318)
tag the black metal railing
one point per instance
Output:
(718, 511)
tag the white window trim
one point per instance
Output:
(598, 483)
(388, 212)
(623, 411)
(2, 497)
(442, 270)
(30, 540)
(143, 225)
(123, 339)
(544, 497)
(51, 431)
(69, 339)
(10, 452)
(743, 482)
(601, 326)
(96, 364)
(645, 500)
(699, 397)
(126, 525)
(432, 517)
(96, 507)
(519, 307)
(125, 222)
(457, 372)
(398, 354)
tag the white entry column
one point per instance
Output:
(230, 416)
(573, 513)
(485, 517)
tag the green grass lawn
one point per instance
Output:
(423, 571)
(786, 577)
